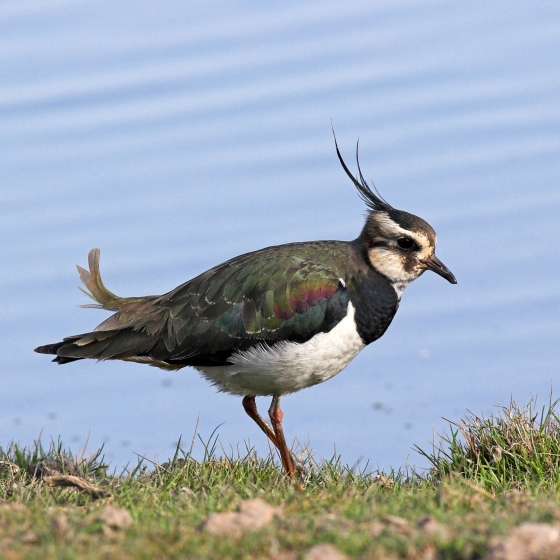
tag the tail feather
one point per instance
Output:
(97, 290)
(50, 348)
(53, 349)
(64, 360)
(103, 345)
(130, 333)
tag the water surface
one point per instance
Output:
(177, 135)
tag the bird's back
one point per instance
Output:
(285, 293)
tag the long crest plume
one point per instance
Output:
(373, 200)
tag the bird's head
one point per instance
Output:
(399, 245)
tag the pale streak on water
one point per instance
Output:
(177, 135)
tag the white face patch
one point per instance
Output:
(391, 261)
(391, 265)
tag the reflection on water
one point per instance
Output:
(179, 137)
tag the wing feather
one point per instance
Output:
(263, 297)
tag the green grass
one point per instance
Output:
(515, 448)
(486, 476)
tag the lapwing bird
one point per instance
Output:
(270, 322)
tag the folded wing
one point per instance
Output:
(261, 297)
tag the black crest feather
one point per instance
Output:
(373, 200)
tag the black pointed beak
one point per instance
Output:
(433, 263)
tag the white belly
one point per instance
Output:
(289, 366)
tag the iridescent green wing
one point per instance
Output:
(256, 298)
(261, 297)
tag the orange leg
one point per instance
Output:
(250, 407)
(276, 415)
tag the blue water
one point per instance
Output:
(176, 135)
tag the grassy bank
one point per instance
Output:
(488, 476)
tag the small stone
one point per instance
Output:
(12, 506)
(325, 552)
(29, 537)
(429, 553)
(383, 481)
(429, 526)
(284, 555)
(398, 523)
(59, 523)
(375, 528)
(115, 518)
(251, 516)
(528, 541)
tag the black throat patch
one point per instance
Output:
(375, 302)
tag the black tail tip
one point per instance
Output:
(64, 360)
(47, 349)
(53, 350)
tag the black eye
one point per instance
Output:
(406, 243)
